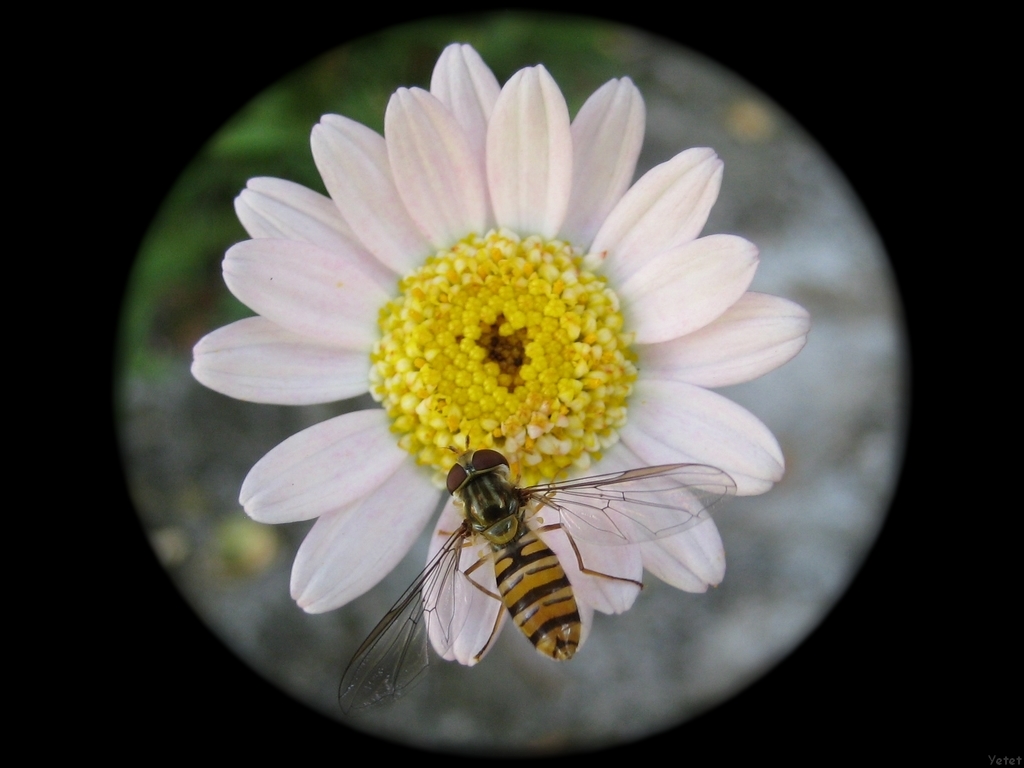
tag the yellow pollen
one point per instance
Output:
(507, 344)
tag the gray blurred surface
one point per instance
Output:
(836, 409)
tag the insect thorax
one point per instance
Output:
(492, 506)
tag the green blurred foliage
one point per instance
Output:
(175, 292)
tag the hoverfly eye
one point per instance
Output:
(456, 477)
(487, 459)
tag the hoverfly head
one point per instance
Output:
(473, 463)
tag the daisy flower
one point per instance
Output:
(487, 273)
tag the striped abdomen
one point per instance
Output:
(537, 593)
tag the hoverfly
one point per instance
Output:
(628, 507)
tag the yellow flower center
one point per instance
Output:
(507, 344)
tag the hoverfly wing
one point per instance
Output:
(447, 597)
(463, 625)
(394, 656)
(636, 505)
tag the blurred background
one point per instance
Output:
(839, 409)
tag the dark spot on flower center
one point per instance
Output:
(509, 352)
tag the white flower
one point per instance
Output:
(484, 272)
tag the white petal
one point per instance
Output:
(477, 615)
(468, 88)
(437, 175)
(618, 458)
(602, 593)
(755, 335)
(353, 161)
(260, 362)
(485, 618)
(667, 207)
(281, 209)
(323, 468)
(586, 621)
(529, 154)
(690, 561)
(672, 422)
(312, 292)
(685, 288)
(352, 548)
(284, 210)
(606, 138)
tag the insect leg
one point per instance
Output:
(579, 557)
(476, 635)
(472, 568)
(494, 633)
